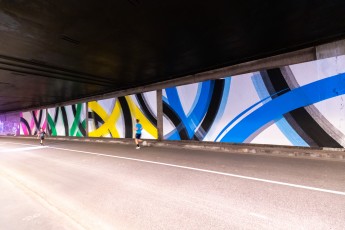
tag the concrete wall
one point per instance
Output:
(280, 62)
(294, 105)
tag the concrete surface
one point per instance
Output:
(90, 185)
(337, 154)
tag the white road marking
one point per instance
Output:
(29, 218)
(16, 143)
(209, 171)
(6, 150)
(258, 215)
(206, 171)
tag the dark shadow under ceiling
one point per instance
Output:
(56, 51)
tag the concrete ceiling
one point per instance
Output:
(53, 51)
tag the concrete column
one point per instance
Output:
(87, 119)
(159, 115)
(47, 121)
(332, 49)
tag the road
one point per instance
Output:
(67, 185)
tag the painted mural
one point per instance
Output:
(115, 117)
(296, 105)
(67, 120)
(32, 121)
(10, 124)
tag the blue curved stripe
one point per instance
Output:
(259, 86)
(196, 99)
(290, 133)
(199, 111)
(173, 136)
(242, 113)
(196, 115)
(174, 101)
(294, 138)
(275, 109)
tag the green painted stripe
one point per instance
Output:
(52, 125)
(74, 127)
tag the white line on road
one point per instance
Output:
(207, 171)
(258, 215)
(5, 150)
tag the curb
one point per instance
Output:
(253, 149)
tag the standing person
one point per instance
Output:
(138, 129)
(41, 135)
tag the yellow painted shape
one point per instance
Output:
(109, 120)
(137, 114)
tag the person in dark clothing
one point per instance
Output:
(41, 134)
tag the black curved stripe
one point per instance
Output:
(110, 133)
(315, 132)
(173, 116)
(302, 118)
(96, 119)
(275, 82)
(74, 110)
(56, 114)
(26, 124)
(37, 122)
(40, 119)
(212, 111)
(127, 117)
(65, 120)
(49, 130)
(80, 126)
(147, 112)
(82, 129)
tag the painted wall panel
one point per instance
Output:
(67, 120)
(115, 117)
(31, 122)
(298, 105)
(10, 124)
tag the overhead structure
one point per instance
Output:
(56, 51)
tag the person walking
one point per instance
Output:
(138, 129)
(41, 134)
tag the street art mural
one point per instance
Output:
(67, 120)
(296, 105)
(115, 117)
(9, 124)
(32, 121)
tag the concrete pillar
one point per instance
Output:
(160, 115)
(332, 49)
(87, 119)
(46, 111)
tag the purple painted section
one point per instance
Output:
(9, 124)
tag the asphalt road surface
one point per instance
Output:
(67, 185)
